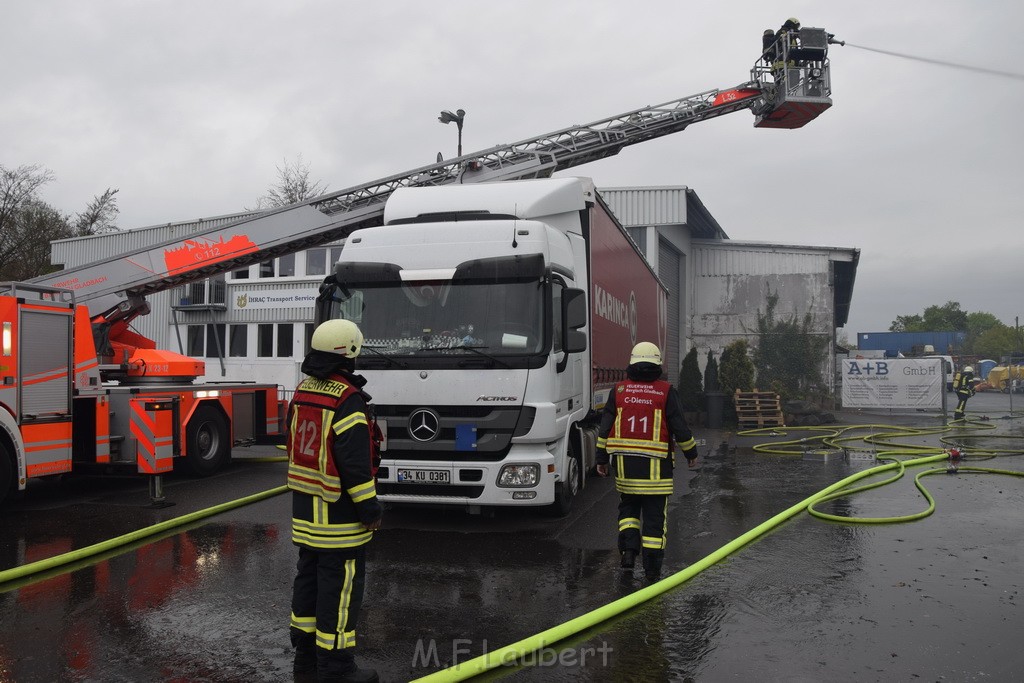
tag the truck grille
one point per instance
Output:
(495, 427)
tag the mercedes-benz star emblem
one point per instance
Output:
(424, 425)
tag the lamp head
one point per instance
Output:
(448, 117)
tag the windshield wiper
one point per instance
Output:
(476, 349)
(389, 359)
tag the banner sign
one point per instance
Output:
(269, 298)
(893, 383)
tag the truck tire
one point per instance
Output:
(206, 442)
(6, 473)
(566, 490)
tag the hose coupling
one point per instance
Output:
(954, 460)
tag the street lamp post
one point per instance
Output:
(448, 117)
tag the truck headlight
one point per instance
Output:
(519, 475)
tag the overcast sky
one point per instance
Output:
(188, 107)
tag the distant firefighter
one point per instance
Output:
(963, 385)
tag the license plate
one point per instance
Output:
(424, 476)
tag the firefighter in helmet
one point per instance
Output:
(641, 419)
(787, 38)
(963, 385)
(769, 52)
(331, 451)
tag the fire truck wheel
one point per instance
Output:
(207, 444)
(565, 491)
(6, 473)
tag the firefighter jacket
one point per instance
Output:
(639, 423)
(330, 464)
(963, 383)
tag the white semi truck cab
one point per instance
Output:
(471, 300)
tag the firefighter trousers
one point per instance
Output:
(326, 597)
(643, 528)
(961, 406)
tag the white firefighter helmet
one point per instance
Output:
(968, 368)
(338, 336)
(645, 352)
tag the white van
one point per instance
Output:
(950, 368)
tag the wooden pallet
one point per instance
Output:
(755, 409)
(761, 421)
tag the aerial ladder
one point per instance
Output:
(93, 305)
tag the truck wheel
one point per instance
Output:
(6, 474)
(566, 490)
(207, 448)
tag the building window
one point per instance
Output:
(280, 267)
(238, 346)
(265, 340)
(316, 262)
(285, 340)
(286, 265)
(309, 339)
(196, 336)
(215, 340)
(242, 274)
(202, 293)
(321, 260)
(275, 341)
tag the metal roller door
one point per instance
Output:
(668, 270)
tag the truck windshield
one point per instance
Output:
(487, 308)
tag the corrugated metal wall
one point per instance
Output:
(643, 206)
(732, 281)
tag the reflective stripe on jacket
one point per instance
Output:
(329, 470)
(311, 430)
(640, 427)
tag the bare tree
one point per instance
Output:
(28, 224)
(293, 185)
(99, 215)
(36, 225)
(19, 186)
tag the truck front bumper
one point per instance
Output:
(525, 477)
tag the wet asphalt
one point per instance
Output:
(931, 600)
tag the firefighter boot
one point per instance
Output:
(339, 666)
(304, 666)
(628, 559)
(652, 565)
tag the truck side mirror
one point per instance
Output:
(574, 316)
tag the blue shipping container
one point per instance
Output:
(943, 342)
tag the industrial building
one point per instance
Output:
(718, 286)
(255, 323)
